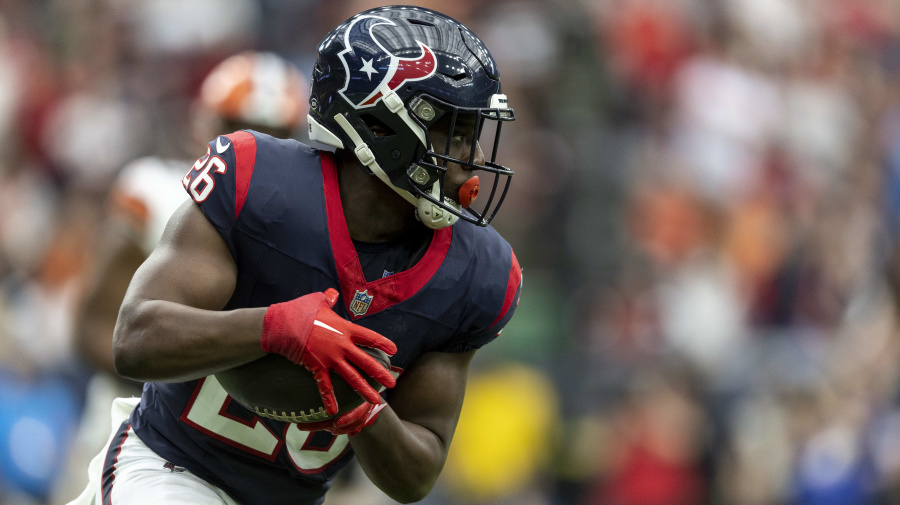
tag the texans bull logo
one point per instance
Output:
(372, 70)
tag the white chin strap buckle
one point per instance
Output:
(433, 216)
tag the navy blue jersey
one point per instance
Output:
(277, 205)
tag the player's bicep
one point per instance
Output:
(192, 264)
(430, 393)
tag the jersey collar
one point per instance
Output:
(363, 298)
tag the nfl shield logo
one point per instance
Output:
(360, 303)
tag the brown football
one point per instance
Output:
(276, 388)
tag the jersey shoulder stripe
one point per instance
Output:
(244, 145)
(512, 287)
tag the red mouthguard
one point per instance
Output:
(468, 192)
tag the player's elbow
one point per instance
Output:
(412, 486)
(126, 363)
(411, 494)
(415, 470)
(129, 356)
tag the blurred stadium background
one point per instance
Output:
(706, 206)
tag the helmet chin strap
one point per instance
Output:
(430, 214)
(433, 216)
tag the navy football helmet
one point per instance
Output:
(400, 70)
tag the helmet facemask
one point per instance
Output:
(426, 177)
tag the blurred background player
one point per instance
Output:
(251, 90)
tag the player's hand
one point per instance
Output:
(306, 331)
(354, 421)
(349, 423)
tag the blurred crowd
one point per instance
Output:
(706, 206)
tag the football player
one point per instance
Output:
(257, 90)
(306, 253)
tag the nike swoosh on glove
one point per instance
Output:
(306, 331)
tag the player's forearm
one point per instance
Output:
(403, 459)
(162, 341)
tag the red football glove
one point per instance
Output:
(350, 423)
(354, 421)
(306, 331)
